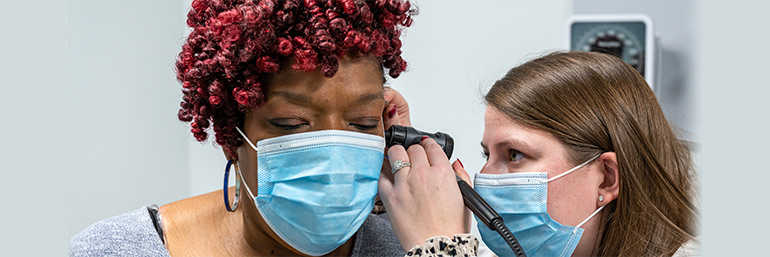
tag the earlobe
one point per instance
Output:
(610, 185)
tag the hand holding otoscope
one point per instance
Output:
(407, 136)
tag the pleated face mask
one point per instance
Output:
(315, 189)
(521, 200)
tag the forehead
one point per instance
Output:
(355, 76)
(499, 128)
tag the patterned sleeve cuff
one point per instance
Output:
(460, 245)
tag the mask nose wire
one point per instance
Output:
(573, 169)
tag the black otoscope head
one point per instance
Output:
(407, 136)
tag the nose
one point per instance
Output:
(333, 121)
(491, 168)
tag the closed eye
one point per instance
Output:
(288, 124)
(366, 124)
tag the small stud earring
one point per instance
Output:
(601, 198)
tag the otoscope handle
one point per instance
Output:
(488, 216)
(476, 204)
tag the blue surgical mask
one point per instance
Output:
(521, 200)
(315, 189)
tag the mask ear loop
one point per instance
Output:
(248, 190)
(573, 169)
(589, 218)
(570, 171)
(246, 138)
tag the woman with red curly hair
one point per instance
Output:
(293, 92)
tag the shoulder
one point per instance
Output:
(128, 234)
(200, 225)
(376, 236)
(690, 248)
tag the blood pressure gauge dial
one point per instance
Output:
(629, 37)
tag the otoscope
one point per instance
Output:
(407, 136)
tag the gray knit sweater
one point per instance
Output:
(133, 234)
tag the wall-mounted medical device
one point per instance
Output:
(628, 36)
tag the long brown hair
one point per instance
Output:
(596, 103)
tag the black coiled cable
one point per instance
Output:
(508, 236)
(488, 216)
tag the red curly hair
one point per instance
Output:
(236, 44)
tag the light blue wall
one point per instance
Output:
(731, 71)
(126, 147)
(33, 128)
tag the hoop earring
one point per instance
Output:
(237, 187)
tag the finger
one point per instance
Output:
(392, 96)
(387, 102)
(386, 109)
(395, 153)
(436, 155)
(417, 157)
(388, 93)
(385, 183)
(385, 171)
(463, 174)
(390, 116)
(460, 171)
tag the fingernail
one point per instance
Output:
(392, 112)
(424, 137)
(461, 163)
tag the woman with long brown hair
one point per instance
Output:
(580, 162)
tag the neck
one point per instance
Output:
(260, 240)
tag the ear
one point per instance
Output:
(610, 184)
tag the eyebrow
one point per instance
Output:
(293, 98)
(370, 97)
(510, 141)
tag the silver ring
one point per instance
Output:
(399, 165)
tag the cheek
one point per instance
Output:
(247, 163)
(570, 201)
